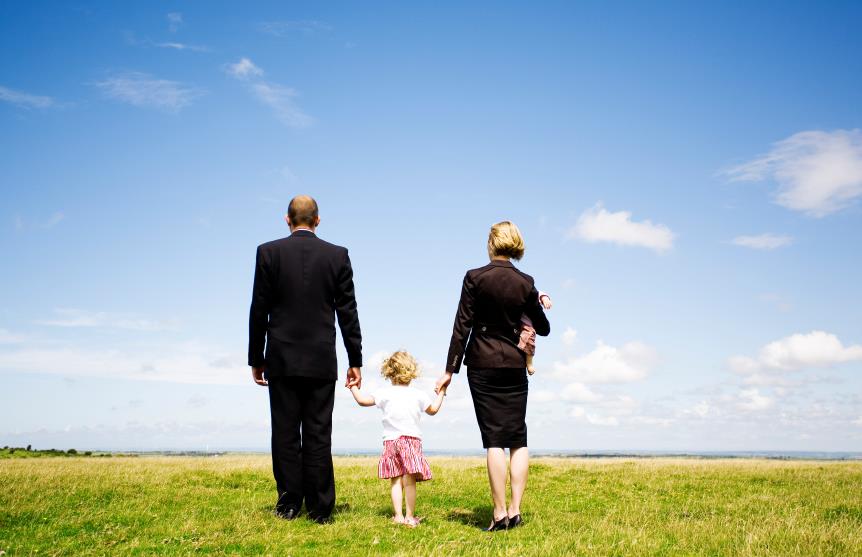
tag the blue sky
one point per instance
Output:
(687, 178)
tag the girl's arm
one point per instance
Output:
(362, 399)
(434, 407)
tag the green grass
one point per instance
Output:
(182, 505)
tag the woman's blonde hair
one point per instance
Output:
(505, 239)
(400, 368)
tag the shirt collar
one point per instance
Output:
(501, 263)
(302, 229)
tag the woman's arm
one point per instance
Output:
(537, 315)
(461, 328)
(434, 407)
(362, 399)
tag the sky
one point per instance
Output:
(687, 177)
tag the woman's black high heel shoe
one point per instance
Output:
(502, 524)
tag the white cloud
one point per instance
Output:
(607, 364)
(816, 349)
(175, 20)
(578, 392)
(305, 27)
(182, 46)
(540, 395)
(280, 99)
(243, 69)
(752, 400)
(569, 336)
(599, 225)
(700, 409)
(70, 317)
(763, 241)
(142, 90)
(25, 100)
(189, 362)
(8, 337)
(580, 414)
(817, 172)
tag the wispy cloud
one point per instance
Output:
(21, 224)
(70, 317)
(281, 101)
(600, 225)
(188, 362)
(817, 172)
(8, 337)
(279, 98)
(143, 90)
(25, 100)
(304, 27)
(763, 241)
(243, 69)
(175, 21)
(182, 46)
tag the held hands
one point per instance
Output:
(443, 383)
(257, 375)
(354, 378)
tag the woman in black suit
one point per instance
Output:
(493, 299)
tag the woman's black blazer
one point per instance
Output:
(493, 298)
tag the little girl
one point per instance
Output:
(402, 461)
(527, 339)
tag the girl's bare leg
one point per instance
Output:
(397, 492)
(409, 483)
(519, 468)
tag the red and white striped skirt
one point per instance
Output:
(403, 456)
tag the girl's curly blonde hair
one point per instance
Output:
(400, 368)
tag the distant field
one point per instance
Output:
(183, 505)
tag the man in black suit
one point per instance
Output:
(300, 284)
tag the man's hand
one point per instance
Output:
(354, 377)
(257, 375)
(546, 301)
(443, 382)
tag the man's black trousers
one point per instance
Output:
(301, 412)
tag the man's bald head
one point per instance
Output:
(302, 211)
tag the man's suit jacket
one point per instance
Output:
(493, 298)
(300, 283)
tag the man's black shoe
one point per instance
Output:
(287, 513)
(320, 519)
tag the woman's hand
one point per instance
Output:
(443, 382)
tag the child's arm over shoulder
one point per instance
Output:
(361, 398)
(434, 407)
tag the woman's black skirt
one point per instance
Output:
(500, 400)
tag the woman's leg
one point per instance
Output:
(497, 478)
(520, 467)
(409, 483)
(396, 499)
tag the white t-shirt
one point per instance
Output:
(402, 406)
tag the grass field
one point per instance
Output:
(183, 505)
